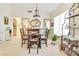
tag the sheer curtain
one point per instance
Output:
(58, 22)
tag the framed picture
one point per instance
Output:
(6, 20)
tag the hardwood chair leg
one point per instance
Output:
(37, 49)
(39, 44)
(29, 49)
(24, 41)
(22, 44)
(27, 46)
(46, 43)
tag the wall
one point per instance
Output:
(4, 11)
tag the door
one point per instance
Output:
(14, 27)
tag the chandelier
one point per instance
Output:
(36, 13)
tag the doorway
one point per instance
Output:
(19, 23)
(14, 27)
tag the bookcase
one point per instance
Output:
(73, 30)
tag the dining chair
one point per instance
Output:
(45, 37)
(33, 38)
(23, 37)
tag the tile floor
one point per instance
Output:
(13, 48)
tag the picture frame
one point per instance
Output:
(6, 20)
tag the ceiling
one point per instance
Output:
(44, 8)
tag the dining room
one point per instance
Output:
(28, 29)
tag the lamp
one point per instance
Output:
(36, 13)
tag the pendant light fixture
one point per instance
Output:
(36, 12)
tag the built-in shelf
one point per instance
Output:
(75, 15)
(74, 28)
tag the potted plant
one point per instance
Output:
(54, 38)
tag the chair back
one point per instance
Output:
(46, 33)
(33, 34)
(22, 33)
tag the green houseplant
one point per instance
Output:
(54, 38)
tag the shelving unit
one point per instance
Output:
(73, 18)
(73, 25)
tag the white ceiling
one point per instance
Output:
(44, 8)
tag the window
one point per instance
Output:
(58, 22)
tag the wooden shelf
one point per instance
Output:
(75, 15)
(74, 28)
